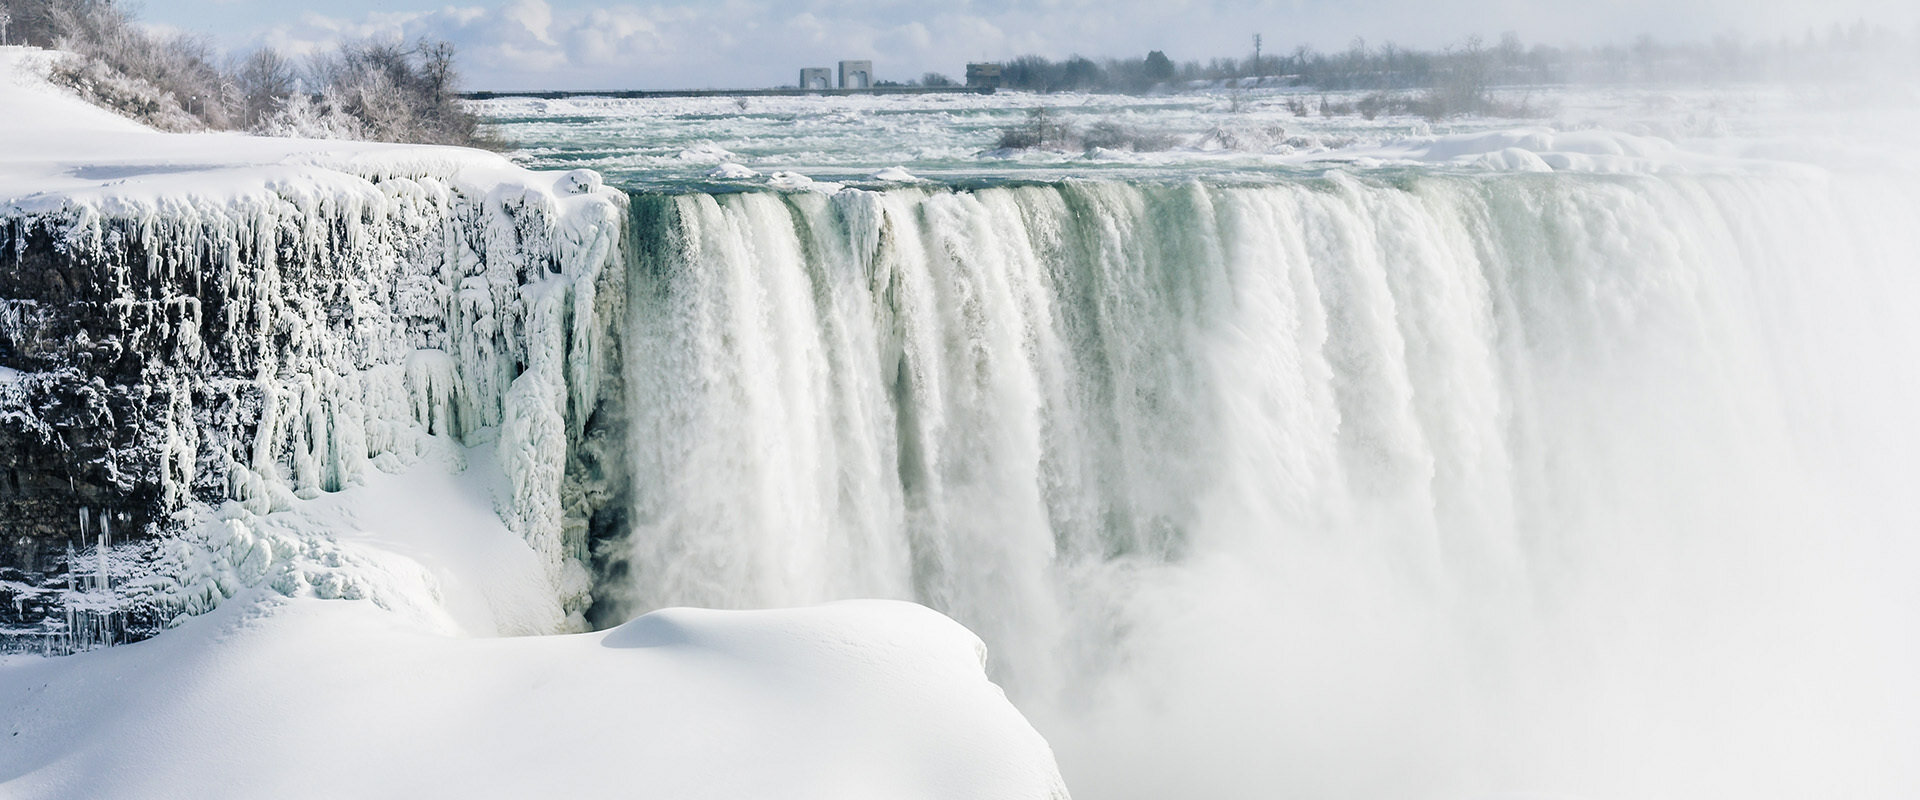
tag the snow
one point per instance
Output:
(400, 689)
(895, 174)
(316, 698)
(56, 149)
(362, 663)
(796, 182)
(424, 541)
(401, 510)
(494, 329)
(706, 153)
(732, 172)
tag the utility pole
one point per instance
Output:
(1259, 70)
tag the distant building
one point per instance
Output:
(983, 75)
(856, 74)
(817, 77)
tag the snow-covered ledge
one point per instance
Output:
(327, 410)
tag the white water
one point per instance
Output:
(1398, 486)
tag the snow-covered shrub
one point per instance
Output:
(398, 93)
(115, 90)
(377, 90)
(169, 82)
(301, 116)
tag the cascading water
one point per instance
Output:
(1384, 486)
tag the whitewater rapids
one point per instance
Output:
(1397, 484)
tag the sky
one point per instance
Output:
(584, 44)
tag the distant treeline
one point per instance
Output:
(371, 90)
(1839, 53)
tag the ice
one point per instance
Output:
(580, 181)
(707, 152)
(731, 172)
(796, 182)
(894, 175)
(1219, 134)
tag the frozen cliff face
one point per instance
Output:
(215, 319)
(277, 346)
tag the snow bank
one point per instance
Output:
(314, 698)
(57, 150)
(361, 665)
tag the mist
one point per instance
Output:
(1451, 489)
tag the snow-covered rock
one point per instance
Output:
(796, 182)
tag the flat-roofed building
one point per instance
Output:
(856, 74)
(983, 75)
(816, 78)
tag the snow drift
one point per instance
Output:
(305, 698)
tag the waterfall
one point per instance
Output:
(1331, 486)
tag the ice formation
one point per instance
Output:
(732, 172)
(257, 333)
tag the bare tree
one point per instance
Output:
(265, 80)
